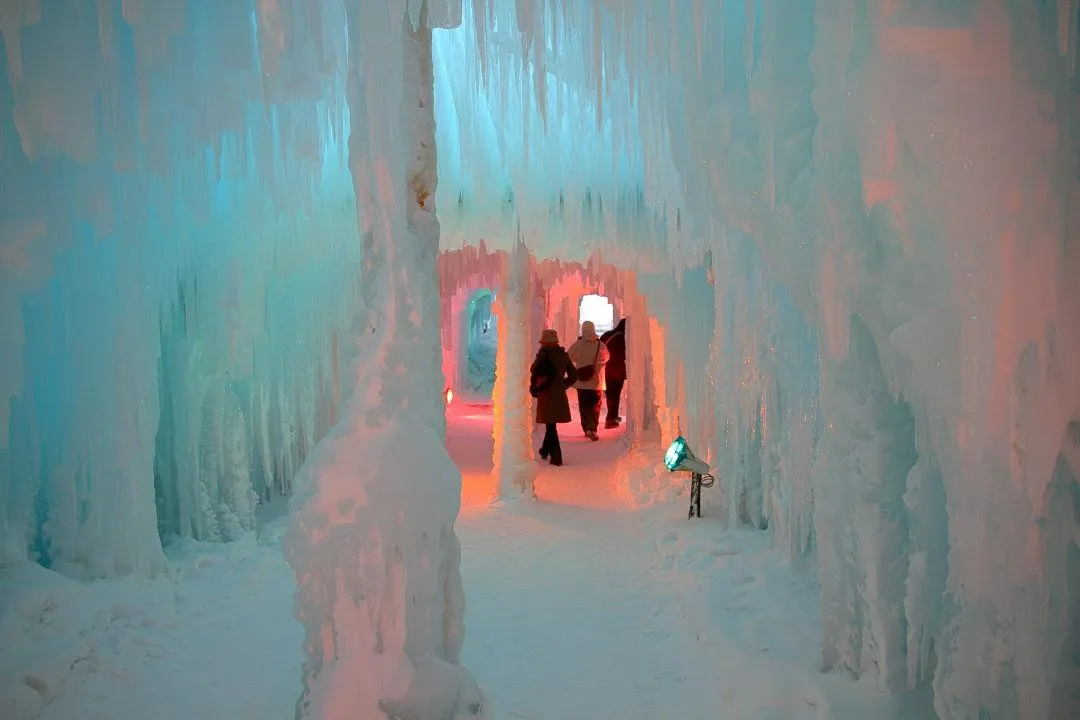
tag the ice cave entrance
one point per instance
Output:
(480, 344)
(599, 310)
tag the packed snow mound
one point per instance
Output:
(114, 648)
(43, 617)
(438, 689)
(376, 556)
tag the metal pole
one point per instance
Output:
(695, 495)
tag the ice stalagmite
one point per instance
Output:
(514, 466)
(373, 545)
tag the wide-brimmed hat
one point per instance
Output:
(549, 337)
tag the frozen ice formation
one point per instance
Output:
(846, 230)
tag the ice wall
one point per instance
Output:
(867, 167)
(858, 243)
(178, 259)
(937, 410)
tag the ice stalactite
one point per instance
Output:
(868, 450)
(1061, 539)
(514, 469)
(927, 517)
(373, 544)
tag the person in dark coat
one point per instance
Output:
(550, 375)
(615, 340)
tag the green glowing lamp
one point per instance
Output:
(679, 458)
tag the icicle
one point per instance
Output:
(699, 31)
(446, 14)
(748, 38)
(597, 69)
(412, 12)
(1066, 23)
(540, 70)
(14, 16)
(481, 17)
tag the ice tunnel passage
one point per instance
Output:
(222, 225)
(533, 294)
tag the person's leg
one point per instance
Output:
(583, 409)
(594, 412)
(545, 447)
(554, 447)
(614, 396)
(552, 438)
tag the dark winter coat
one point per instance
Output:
(615, 339)
(551, 373)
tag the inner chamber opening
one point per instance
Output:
(480, 346)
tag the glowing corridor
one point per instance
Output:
(247, 248)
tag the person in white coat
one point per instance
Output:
(589, 356)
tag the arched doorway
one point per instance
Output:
(479, 345)
(599, 310)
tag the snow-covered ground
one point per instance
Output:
(214, 638)
(581, 606)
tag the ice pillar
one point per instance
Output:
(373, 545)
(640, 410)
(514, 470)
(859, 523)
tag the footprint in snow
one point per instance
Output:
(740, 579)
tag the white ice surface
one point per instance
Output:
(214, 638)
(579, 606)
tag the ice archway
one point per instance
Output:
(852, 224)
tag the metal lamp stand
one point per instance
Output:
(698, 481)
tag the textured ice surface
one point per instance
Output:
(852, 229)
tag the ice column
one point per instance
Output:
(514, 469)
(373, 545)
(640, 410)
(867, 451)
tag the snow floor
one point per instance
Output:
(581, 606)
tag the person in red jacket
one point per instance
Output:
(615, 371)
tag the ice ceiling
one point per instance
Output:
(854, 222)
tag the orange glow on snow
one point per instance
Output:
(591, 477)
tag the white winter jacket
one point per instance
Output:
(587, 352)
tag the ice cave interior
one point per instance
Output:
(247, 247)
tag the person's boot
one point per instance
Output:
(556, 457)
(611, 425)
(543, 453)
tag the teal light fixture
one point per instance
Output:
(679, 458)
